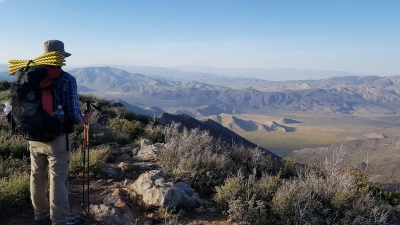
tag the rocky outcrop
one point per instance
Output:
(113, 210)
(148, 152)
(156, 189)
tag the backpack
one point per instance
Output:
(32, 103)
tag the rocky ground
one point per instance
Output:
(112, 196)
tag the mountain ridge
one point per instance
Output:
(332, 95)
(344, 95)
(190, 72)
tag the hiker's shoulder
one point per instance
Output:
(66, 76)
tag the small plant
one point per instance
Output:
(4, 85)
(14, 193)
(133, 128)
(307, 195)
(10, 165)
(196, 157)
(10, 145)
(154, 132)
(4, 96)
(97, 160)
(288, 168)
(250, 159)
(247, 198)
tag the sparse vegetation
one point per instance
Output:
(97, 160)
(4, 85)
(10, 165)
(332, 195)
(14, 192)
(134, 129)
(245, 184)
(11, 145)
(14, 185)
(5, 95)
(196, 157)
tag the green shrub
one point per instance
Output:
(288, 168)
(124, 113)
(110, 111)
(154, 132)
(4, 85)
(14, 193)
(247, 199)
(11, 145)
(122, 138)
(10, 165)
(14, 185)
(5, 96)
(4, 125)
(99, 134)
(133, 128)
(106, 135)
(250, 159)
(196, 157)
(97, 159)
(330, 199)
(330, 195)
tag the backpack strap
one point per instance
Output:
(47, 98)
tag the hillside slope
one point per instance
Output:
(215, 129)
(379, 155)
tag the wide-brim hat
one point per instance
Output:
(55, 46)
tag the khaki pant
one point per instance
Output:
(50, 160)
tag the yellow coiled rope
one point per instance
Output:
(51, 58)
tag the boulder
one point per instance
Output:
(110, 172)
(156, 189)
(113, 210)
(125, 166)
(145, 142)
(110, 215)
(111, 200)
(144, 166)
(150, 152)
(135, 150)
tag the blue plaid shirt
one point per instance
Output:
(66, 94)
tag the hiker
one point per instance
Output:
(51, 159)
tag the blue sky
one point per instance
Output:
(358, 36)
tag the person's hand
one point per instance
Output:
(86, 117)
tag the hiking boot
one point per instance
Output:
(45, 221)
(75, 221)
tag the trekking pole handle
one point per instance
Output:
(87, 106)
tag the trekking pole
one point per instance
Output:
(86, 148)
(84, 168)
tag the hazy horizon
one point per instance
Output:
(359, 37)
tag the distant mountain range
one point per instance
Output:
(203, 73)
(218, 94)
(277, 74)
(208, 74)
(6, 76)
(352, 94)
